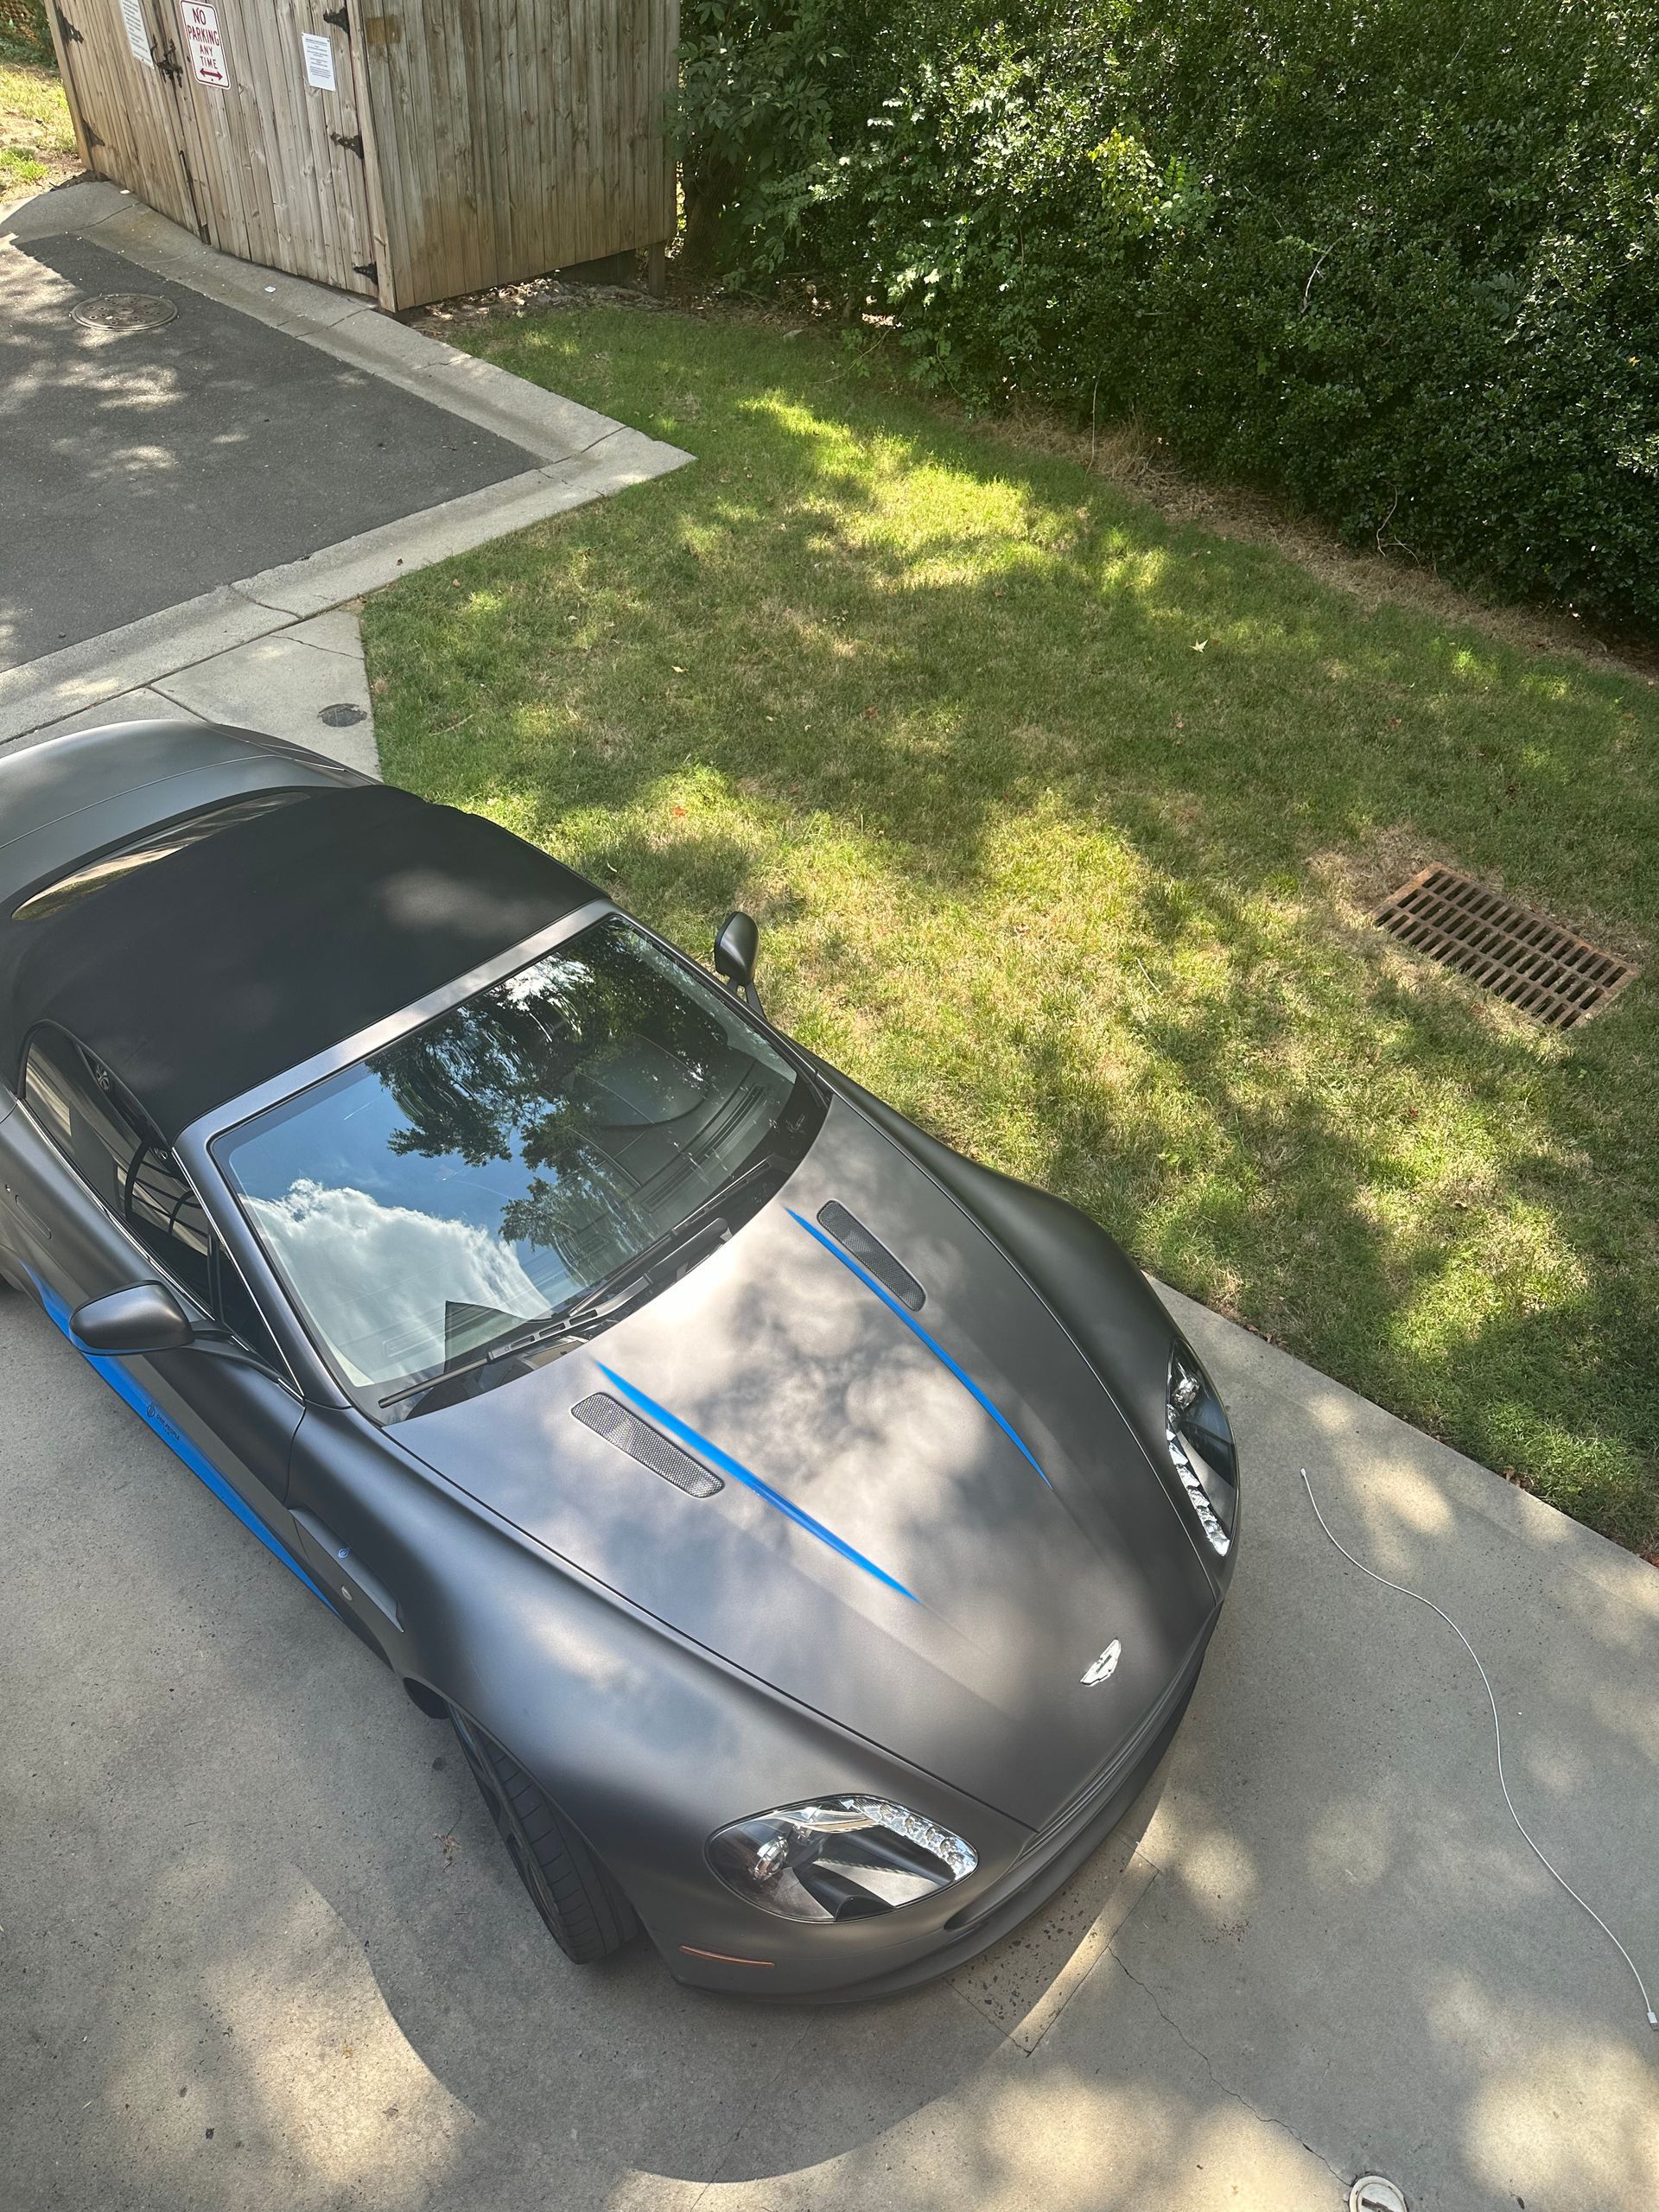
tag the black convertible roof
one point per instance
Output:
(220, 966)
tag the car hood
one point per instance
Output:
(930, 1524)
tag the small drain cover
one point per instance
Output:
(342, 717)
(1524, 957)
(1371, 2193)
(126, 311)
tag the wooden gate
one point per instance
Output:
(124, 110)
(515, 135)
(240, 119)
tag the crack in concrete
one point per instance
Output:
(719, 2177)
(1083, 1979)
(1011, 2035)
(1226, 2087)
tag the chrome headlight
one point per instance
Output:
(838, 1859)
(1201, 1449)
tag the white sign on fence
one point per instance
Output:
(137, 37)
(202, 37)
(318, 59)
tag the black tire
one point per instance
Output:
(587, 1915)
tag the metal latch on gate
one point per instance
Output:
(352, 145)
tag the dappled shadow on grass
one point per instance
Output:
(1063, 823)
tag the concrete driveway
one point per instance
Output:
(260, 1947)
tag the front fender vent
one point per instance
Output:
(608, 1418)
(872, 1255)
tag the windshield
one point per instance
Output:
(516, 1151)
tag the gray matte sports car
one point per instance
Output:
(813, 1538)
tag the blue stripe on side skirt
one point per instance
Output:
(686, 1434)
(916, 1329)
(180, 1447)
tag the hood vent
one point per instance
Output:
(611, 1419)
(872, 1255)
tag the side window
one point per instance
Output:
(165, 1215)
(234, 1306)
(61, 1091)
(107, 1140)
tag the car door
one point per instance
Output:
(92, 1200)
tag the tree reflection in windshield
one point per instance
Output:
(509, 1154)
(562, 1068)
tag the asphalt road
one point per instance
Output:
(144, 466)
(260, 1945)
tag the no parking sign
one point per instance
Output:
(202, 37)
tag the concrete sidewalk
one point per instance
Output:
(260, 1945)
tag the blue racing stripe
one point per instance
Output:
(917, 1330)
(740, 1473)
(180, 1447)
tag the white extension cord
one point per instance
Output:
(1498, 1735)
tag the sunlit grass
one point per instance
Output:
(1063, 823)
(36, 144)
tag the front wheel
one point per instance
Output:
(587, 1915)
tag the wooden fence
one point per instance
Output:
(408, 150)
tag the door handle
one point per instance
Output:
(26, 1212)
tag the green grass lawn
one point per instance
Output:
(1062, 824)
(37, 147)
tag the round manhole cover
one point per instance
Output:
(126, 311)
(342, 717)
(1371, 2193)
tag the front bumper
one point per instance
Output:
(880, 1957)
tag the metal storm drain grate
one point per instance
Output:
(126, 311)
(1517, 955)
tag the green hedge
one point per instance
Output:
(1400, 257)
(23, 33)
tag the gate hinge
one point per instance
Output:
(91, 136)
(72, 37)
(369, 268)
(168, 62)
(352, 145)
(340, 17)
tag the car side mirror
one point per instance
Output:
(737, 945)
(145, 1317)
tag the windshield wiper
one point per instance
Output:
(603, 1300)
(562, 1321)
